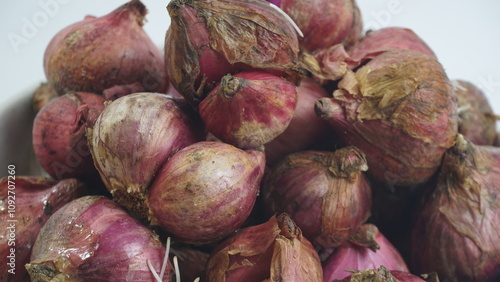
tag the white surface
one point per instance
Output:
(463, 33)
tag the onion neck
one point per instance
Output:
(230, 85)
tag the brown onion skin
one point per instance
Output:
(44, 93)
(132, 139)
(249, 109)
(382, 274)
(209, 39)
(456, 231)
(325, 193)
(305, 130)
(59, 138)
(93, 239)
(36, 198)
(400, 110)
(206, 190)
(98, 53)
(272, 251)
(476, 120)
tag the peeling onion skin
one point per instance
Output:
(401, 116)
(206, 190)
(100, 52)
(382, 274)
(133, 138)
(325, 193)
(93, 239)
(476, 120)
(59, 140)
(249, 109)
(208, 39)
(272, 251)
(36, 199)
(457, 229)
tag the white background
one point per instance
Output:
(464, 34)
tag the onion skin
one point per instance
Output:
(305, 130)
(98, 53)
(36, 199)
(59, 140)
(249, 109)
(353, 256)
(382, 274)
(476, 120)
(133, 138)
(272, 251)
(400, 110)
(206, 190)
(325, 193)
(457, 229)
(209, 39)
(92, 238)
(44, 93)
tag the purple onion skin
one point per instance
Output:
(206, 190)
(457, 229)
(59, 138)
(35, 199)
(92, 238)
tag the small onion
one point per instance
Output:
(101, 52)
(206, 190)
(457, 230)
(93, 239)
(249, 109)
(26, 203)
(132, 139)
(325, 193)
(272, 251)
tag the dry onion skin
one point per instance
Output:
(457, 229)
(400, 110)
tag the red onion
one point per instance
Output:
(98, 53)
(325, 193)
(324, 22)
(26, 202)
(92, 238)
(382, 274)
(59, 138)
(353, 255)
(400, 110)
(272, 251)
(209, 39)
(133, 138)
(457, 230)
(206, 190)
(476, 120)
(305, 130)
(249, 109)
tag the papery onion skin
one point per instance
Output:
(457, 229)
(92, 238)
(476, 120)
(209, 39)
(382, 274)
(400, 110)
(305, 130)
(132, 139)
(272, 251)
(98, 53)
(325, 193)
(351, 256)
(59, 140)
(206, 190)
(26, 202)
(249, 109)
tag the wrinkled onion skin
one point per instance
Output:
(59, 138)
(98, 53)
(36, 199)
(457, 229)
(206, 190)
(382, 274)
(92, 238)
(325, 193)
(400, 110)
